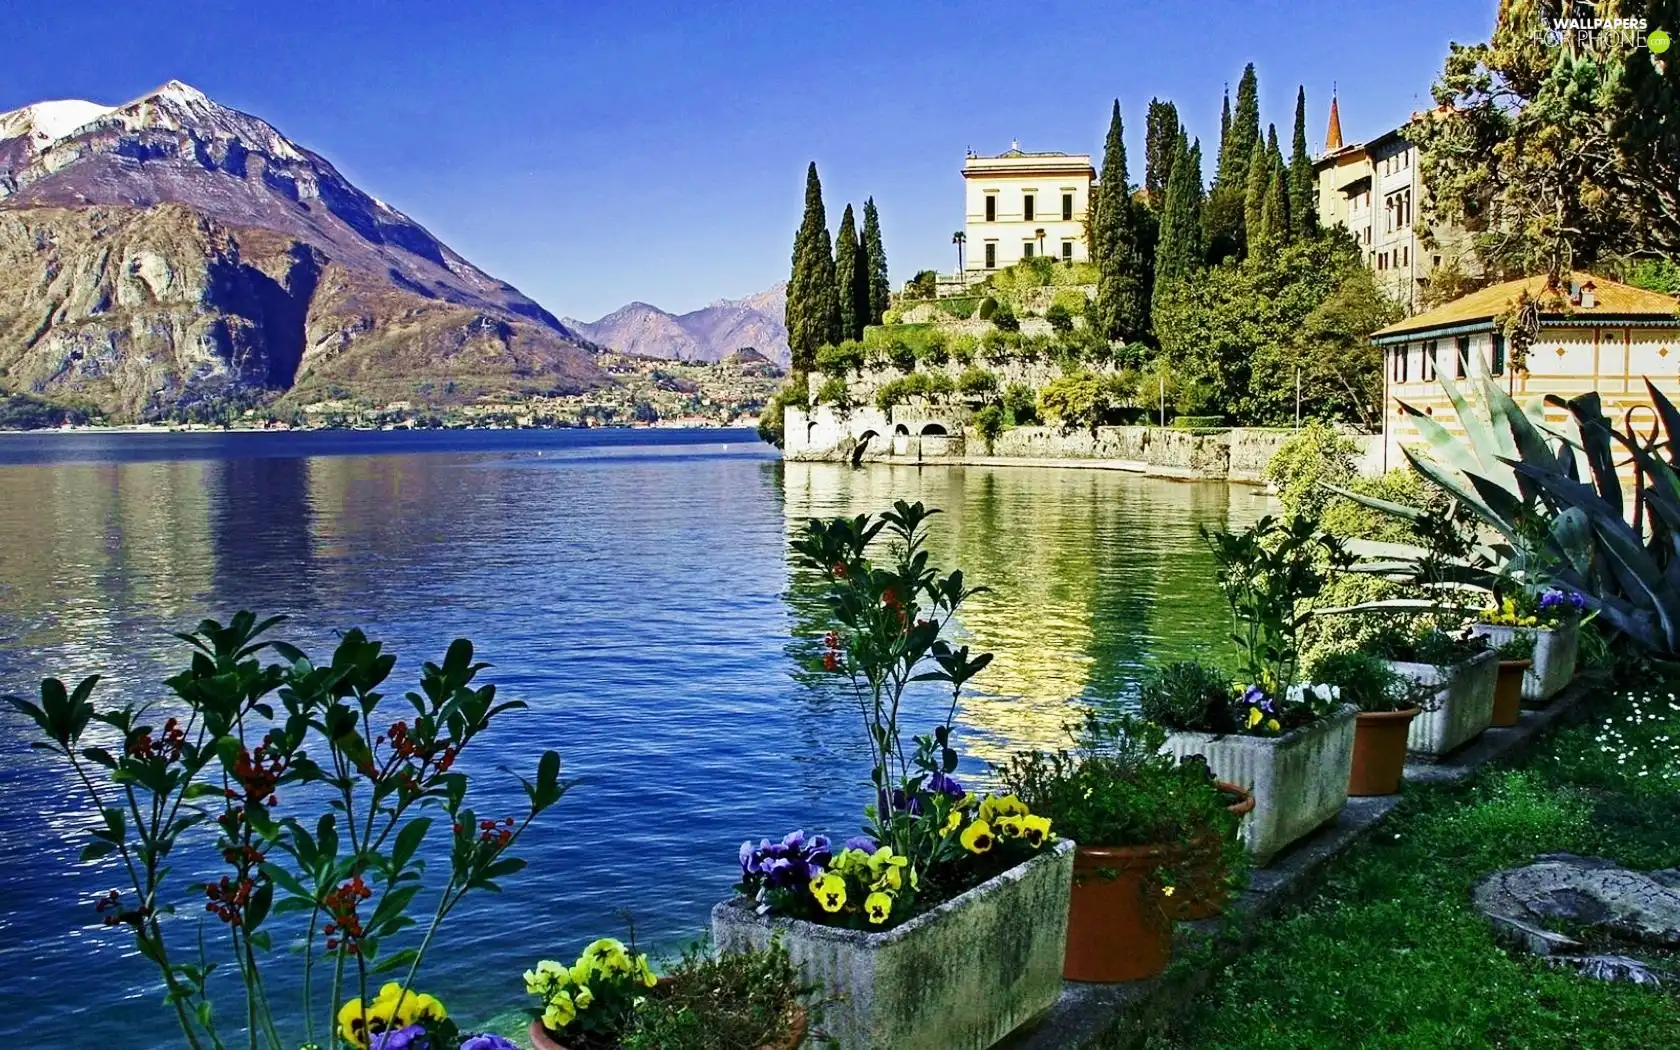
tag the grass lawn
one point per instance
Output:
(1390, 953)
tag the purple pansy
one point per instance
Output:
(862, 842)
(411, 1038)
(790, 863)
(489, 1041)
(940, 784)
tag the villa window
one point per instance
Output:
(1027, 207)
(991, 209)
(1463, 356)
(1431, 360)
(1067, 251)
(1026, 249)
(991, 247)
(1067, 207)
(1498, 353)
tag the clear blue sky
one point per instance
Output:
(594, 153)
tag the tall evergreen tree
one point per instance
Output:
(1180, 251)
(1245, 128)
(1303, 184)
(875, 264)
(1122, 266)
(1162, 136)
(1274, 213)
(850, 278)
(1224, 134)
(1256, 184)
(813, 305)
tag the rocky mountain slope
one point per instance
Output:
(708, 334)
(170, 252)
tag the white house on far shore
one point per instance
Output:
(1595, 334)
(1021, 205)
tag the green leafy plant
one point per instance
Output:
(1187, 696)
(1004, 320)
(1020, 405)
(223, 760)
(1520, 646)
(989, 421)
(1365, 681)
(1061, 320)
(745, 1000)
(1423, 640)
(977, 383)
(1269, 573)
(591, 1002)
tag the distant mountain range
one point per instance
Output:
(708, 334)
(171, 251)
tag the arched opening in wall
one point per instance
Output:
(862, 446)
(810, 434)
(901, 431)
(935, 430)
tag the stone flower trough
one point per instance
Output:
(1299, 780)
(1555, 650)
(1463, 703)
(961, 976)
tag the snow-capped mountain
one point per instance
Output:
(171, 249)
(710, 333)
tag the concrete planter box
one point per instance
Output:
(1299, 780)
(1463, 703)
(1555, 649)
(959, 977)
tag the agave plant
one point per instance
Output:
(1543, 523)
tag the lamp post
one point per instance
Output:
(959, 239)
(1039, 233)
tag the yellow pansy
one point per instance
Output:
(887, 868)
(1008, 827)
(878, 906)
(644, 972)
(830, 891)
(1254, 717)
(582, 997)
(358, 1027)
(1036, 830)
(582, 971)
(1167, 891)
(1002, 806)
(1273, 725)
(978, 837)
(952, 823)
(559, 1012)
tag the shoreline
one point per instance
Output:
(158, 428)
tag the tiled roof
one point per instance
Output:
(1613, 299)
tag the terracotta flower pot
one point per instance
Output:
(1201, 891)
(542, 1039)
(1379, 751)
(1117, 930)
(1508, 691)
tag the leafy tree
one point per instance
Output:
(849, 278)
(1556, 155)
(1161, 147)
(813, 305)
(1274, 213)
(925, 285)
(1180, 250)
(1059, 317)
(1076, 401)
(1004, 319)
(1303, 187)
(1122, 282)
(1238, 332)
(875, 256)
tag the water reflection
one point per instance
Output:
(1091, 575)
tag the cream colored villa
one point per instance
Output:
(1596, 334)
(1021, 205)
(1374, 189)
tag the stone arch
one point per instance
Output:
(934, 430)
(901, 431)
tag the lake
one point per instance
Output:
(634, 587)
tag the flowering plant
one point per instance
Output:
(1526, 609)
(223, 760)
(595, 997)
(870, 884)
(1196, 698)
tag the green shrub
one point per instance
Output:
(1315, 456)
(892, 316)
(930, 350)
(988, 307)
(990, 422)
(922, 286)
(1033, 347)
(839, 360)
(1071, 300)
(999, 346)
(960, 307)
(962, 347)
(1074, 401)
(1004, 319)
(1059, 317)
(834, 391)
(977, 382)
(1199, 423)
(793, 394)
(1020, 405)
(1364, 681)
(930, 385)
(1187, 695)
(732, 1001)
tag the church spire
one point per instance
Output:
(1333, 136)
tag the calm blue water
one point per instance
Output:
(632, 586)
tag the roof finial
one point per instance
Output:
(1333, 134)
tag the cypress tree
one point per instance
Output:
(1162, 142)
(1245, 129)
(1122, 269)
(1274, 214)
(1303, 188)
(813, 307)
(1222, 166)
(850, 278)
(877, 286)
(1257, 183)
(1180, 248)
